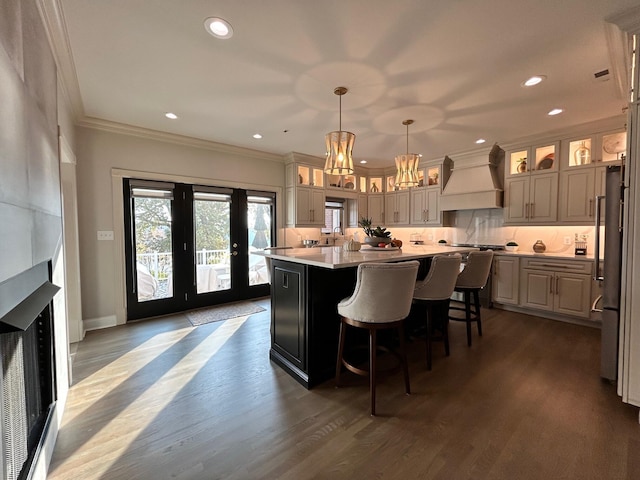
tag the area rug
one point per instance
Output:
(222, 312)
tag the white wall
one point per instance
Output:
(104, 157)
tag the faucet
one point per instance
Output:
(334, 233)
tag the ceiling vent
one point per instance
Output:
(602, 75)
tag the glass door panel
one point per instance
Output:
(212, 234)
(259, 237)
(152, 221)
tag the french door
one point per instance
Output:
(190, 246)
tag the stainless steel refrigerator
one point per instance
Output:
(610, 273)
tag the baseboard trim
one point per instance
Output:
(100, 322)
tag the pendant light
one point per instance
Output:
(339, 146)
(407, 165)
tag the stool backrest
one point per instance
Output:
(383, 292)
(476, 272)
(441, 278)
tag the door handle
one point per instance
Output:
(234, 253)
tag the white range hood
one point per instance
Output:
(476, 181)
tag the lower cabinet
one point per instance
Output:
(505, 282)
(557, 286)
(288, 333)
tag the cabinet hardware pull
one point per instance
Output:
(591, 207)
(557, 286)
(533, 210)
(426, 217)
(526, 210)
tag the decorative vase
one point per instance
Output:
(522, 166)
(374, 187)
(539, 246)
(582, 155)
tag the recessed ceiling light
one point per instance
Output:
(170, 115)
(480, 140)
(555, 111)
(257, 136)
(535, 80)
(218, 27)
(363, 161)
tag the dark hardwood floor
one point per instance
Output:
(160, 399)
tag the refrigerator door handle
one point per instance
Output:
(598, 276)
(595, 304)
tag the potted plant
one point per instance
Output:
(374, 236)
(511, 246)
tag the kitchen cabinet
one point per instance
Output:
(375, 209)
(396, 208)
(560, 286)
(584, 163)
(505, 282)
(304, 207)
(424, 206)
(531, 199)
(357, 208)
(288, 334)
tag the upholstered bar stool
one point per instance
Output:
(381, 300)
(435, 291)
(470, 281)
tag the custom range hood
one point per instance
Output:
(475, 181)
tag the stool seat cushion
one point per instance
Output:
(382, 293)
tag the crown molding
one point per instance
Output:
(124, 129)
(628, 20)
(56, 30)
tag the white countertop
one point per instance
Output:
(336, 257)
(563, 255)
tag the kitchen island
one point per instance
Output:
(306, 286)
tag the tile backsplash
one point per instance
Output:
(485, 226)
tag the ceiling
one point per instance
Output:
(453, 66)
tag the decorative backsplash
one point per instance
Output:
(484, 226)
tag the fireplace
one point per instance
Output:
(27, 379)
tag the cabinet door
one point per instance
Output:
(543, 198)
(516, 199)
(572, 294)
(432, 207)
(375, 209)
(303, 206)
(402, 208)
(288, 322)
(418, 211)
(536, 289)
(317, 207)
(505, 282)
(577, 195)
(389, 216)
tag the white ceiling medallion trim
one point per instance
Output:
(114, 127)
(56, 29)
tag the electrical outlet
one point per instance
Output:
(567, 240)
(105, 235)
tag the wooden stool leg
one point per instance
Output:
(476, 298)
(445, 328)
(403, 355)
(428, 334)
(372, 369)
(340, 352)
(467, 312)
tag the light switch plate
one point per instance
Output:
(105, 235)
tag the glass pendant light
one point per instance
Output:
(339, 146)
(407, 165)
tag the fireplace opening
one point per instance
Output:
(27, 380)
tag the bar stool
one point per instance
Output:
(435, 291)
(473, 278)
(381, 300)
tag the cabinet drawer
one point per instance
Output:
(557, 265)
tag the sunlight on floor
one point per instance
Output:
(162, 392)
